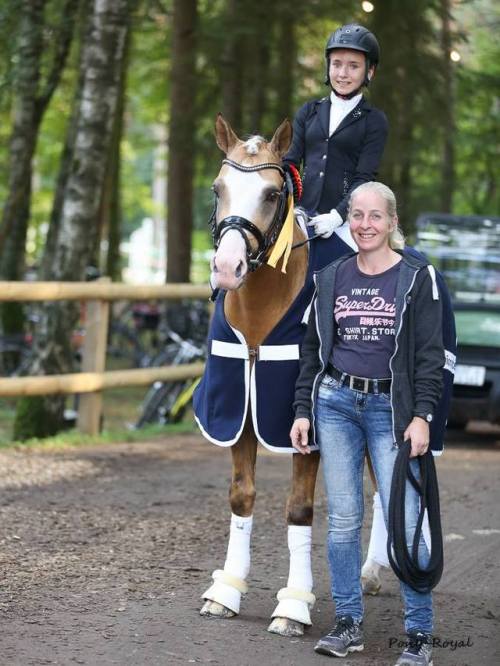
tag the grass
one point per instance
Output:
(120, 409)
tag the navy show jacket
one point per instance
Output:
(335, 165)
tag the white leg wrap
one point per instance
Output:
(296, 600)
(238, 549)
(229, 584)
(426, 532)
(377, 549)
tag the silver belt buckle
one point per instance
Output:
(366, 383)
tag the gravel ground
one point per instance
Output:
(105, 552)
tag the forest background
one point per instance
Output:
(92, 91)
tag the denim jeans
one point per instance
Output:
(346, 422)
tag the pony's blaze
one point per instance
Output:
(240, 196)
(229, 264)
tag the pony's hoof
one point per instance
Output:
(370, 581)
(214, 609)
(286, 627)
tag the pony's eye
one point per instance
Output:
(272, 196)
(215, 190)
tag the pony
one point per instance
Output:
(253, 206)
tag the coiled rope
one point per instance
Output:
(405, 565)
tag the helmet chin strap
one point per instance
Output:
(349, 96)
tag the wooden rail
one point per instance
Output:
(99, 290)
(94, 379)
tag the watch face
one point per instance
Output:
(428, 418)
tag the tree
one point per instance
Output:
(181, 141)
(101, 64)
(32, 94)
(448, 111)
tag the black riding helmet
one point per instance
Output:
(357, 38)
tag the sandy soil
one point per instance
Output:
(105, 552)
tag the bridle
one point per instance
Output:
(255, 257)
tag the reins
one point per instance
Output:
(406, 565)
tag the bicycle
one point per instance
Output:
(166, 402)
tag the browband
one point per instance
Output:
(255, 167)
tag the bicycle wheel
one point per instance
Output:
(152, 403)
(124, 347)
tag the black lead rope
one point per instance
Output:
(406, 566)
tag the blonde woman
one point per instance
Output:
(370, 377)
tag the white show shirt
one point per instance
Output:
(340, 108)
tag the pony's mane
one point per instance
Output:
(253, 144)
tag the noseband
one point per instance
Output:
(264, 240)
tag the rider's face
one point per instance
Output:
(347, 70)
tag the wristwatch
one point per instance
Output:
(427, 417)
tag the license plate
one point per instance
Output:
(470, 375)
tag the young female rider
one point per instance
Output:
(375, 334)
(339, 139)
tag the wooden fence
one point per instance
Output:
(93, 379)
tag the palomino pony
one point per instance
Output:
(253, 354)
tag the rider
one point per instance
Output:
(339, 139)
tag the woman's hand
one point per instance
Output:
(299, 435)
(418, 434)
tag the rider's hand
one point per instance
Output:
(325, 224)
(299, 436)
(418, 434)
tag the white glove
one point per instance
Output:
(325, 224)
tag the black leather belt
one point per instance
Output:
(363, 384)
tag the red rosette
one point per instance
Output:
(296, 181)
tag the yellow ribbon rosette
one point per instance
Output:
(284, 242)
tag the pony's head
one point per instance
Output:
(250, 202)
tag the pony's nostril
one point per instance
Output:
(239, 269)
(214, 267)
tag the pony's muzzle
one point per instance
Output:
(229, 264)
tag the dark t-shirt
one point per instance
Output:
(365, 314)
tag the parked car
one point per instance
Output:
(466, 249)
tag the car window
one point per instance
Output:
(477, 327)
(466, 250)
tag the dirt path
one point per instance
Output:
(105, 552)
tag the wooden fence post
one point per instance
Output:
(93, 360)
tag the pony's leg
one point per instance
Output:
(293, 610)
(377, 548)
(224, 596)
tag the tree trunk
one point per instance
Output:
(287, 58)
(30, 104)
(261, 20)
(67, 152)
(101, 62)
(181, 145)
(448, 115)
(232, 66)
(110, 211)
(13, 227)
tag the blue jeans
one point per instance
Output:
(346, 422)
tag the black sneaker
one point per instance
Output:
(418, 651)
(346, 636)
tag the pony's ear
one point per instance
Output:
(282, 138)
(224, 135)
